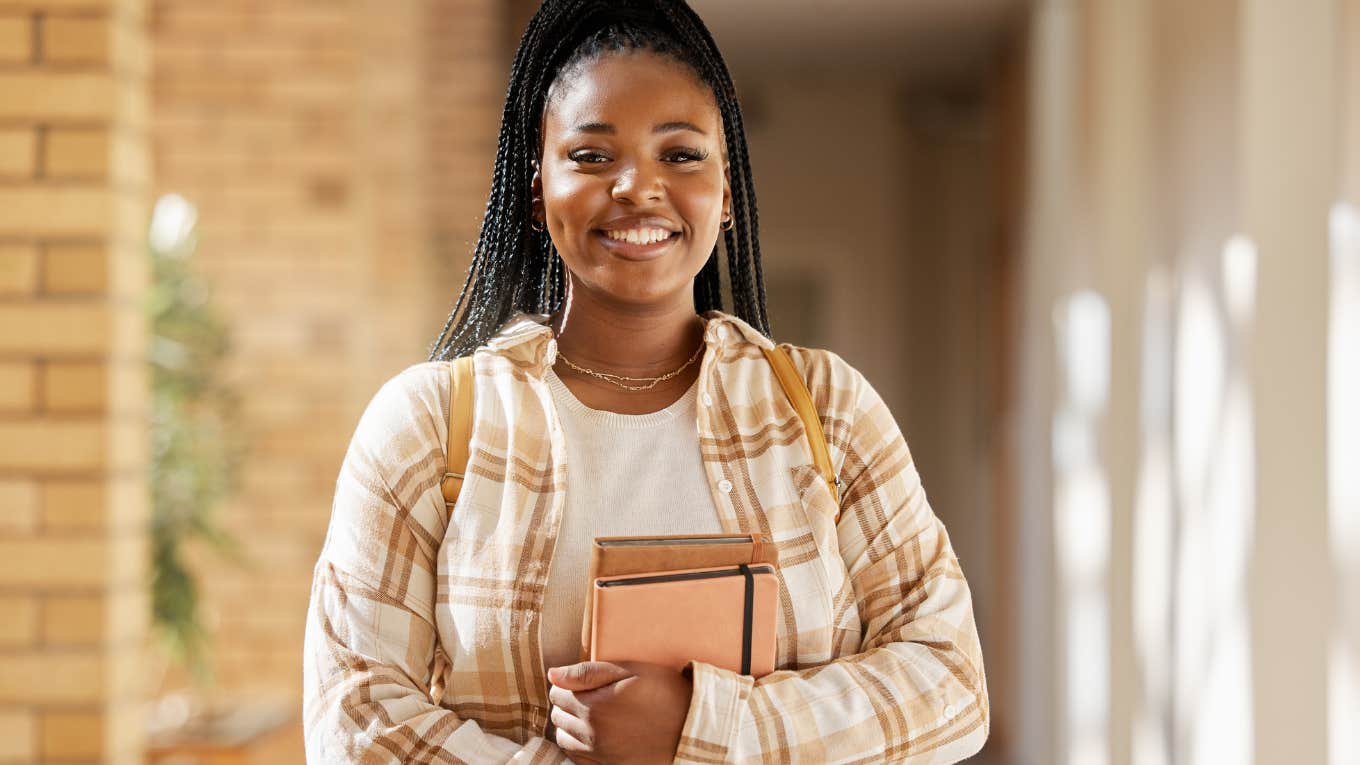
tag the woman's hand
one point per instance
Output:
(623, 713)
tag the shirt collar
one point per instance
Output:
(723, 329)
(528, 341)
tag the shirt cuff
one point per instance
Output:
(713, 716)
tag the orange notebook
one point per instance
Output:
(670, 599)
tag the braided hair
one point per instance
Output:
(515, 268)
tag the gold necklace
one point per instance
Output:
(651, 382)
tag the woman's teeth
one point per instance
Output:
(639, 235)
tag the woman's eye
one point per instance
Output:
(588, 157)
(692, 155)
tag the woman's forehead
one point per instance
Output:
(624, 92)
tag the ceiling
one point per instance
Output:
(916, 39)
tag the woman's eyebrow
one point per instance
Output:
(664, 127)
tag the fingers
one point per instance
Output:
(578, 734)
(566, 700)
(587, 675)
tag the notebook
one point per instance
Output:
(670, 599)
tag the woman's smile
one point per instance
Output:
(638, 237)
(638, 243)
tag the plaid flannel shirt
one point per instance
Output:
(878, 658)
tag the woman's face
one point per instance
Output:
(633, 178)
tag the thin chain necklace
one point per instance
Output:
(651, 382)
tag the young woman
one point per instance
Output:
(614, 396)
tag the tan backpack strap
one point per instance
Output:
(460, 428)
(798, 395)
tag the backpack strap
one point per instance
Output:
(798, 394)
(460, 428)
(457, 453)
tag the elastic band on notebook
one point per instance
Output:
(747, 619)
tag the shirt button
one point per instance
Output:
(725, 486)
(949, 712)
(707, 399)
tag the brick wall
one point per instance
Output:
(73, 500)
(339, 156)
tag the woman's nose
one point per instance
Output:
(637, 184)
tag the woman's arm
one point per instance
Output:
(370, 634)
(916, 692)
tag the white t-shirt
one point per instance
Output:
(627, 474)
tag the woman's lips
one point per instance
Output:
(632, 251)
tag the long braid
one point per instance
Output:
(515, 268)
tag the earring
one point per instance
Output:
(729, 223)
(537, 225)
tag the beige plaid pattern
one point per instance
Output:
(878, 654)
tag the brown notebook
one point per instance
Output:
(654, 556)
(724, 616)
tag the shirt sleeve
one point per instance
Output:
(915, 692)
(370, 635)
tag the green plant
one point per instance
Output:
(195, 452)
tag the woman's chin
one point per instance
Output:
(639, 290)
(654, 281)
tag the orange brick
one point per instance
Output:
(52, 677)
(53, 329)
(18, 151)
(19, 628)
(72, 735)
(18, 269)
(73, 506)
(75, 269)
(56, 95)
(18, 386)
(55, 5)
(74, 620)
(18, 736)
(52, 445)
(75, 387)
(18, 505)
(16, 38)
(53, 564)
(121, 502)
(55, 210)
(76, 153)
(75, 40)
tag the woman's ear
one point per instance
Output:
(536, 192)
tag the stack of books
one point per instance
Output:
(673, 599)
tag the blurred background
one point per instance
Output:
(1101, 258)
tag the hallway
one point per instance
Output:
(1101, 259)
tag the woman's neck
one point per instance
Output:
(628, 342)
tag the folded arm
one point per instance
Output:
(915, 692)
